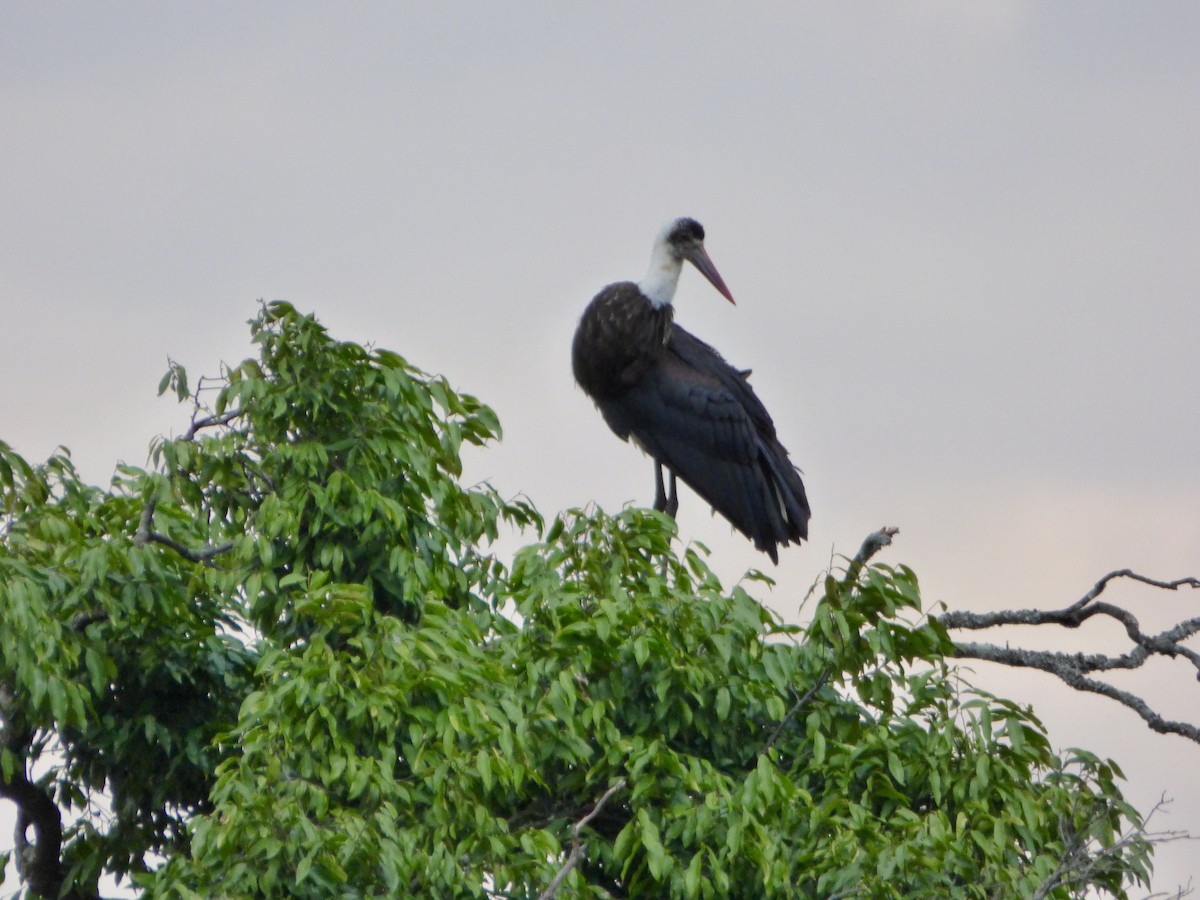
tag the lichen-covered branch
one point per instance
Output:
(874, 542)
(1076, 669)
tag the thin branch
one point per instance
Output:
(577, 846)
(208, 421)
(1180, 892)
(799, 705)
(1100, 585)
(145, 535)
(1080, 862)
(1078, 612)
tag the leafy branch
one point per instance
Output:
(1081, 861)
(145, 533)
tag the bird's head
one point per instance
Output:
(684, 240)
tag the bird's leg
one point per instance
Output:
(660, 492)
(663, 502)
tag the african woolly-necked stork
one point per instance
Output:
(677, 399)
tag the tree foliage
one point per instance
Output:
(282, 661)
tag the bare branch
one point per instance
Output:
(1126, 573)
(1078, 612)
(1179, 893)
(577, 846)
(1074, 668)
(1060, 664)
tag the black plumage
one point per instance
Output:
(681, 402)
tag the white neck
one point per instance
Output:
(659, 284)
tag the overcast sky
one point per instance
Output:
(964, 239)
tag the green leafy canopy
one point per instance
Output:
(284, 661)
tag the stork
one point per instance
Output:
(677, 399)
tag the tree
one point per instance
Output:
(282, 661)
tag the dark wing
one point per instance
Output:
(699, 417)
(704, 358)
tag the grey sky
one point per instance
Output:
(964, 240)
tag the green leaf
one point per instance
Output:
(97, 670)
(304, 867)
(723, 702)
(896, 767)
(723, 644)
(656, 856)
(641, 650)
(483, 762)
(691, 878)
(59, 705)
(8, 764)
